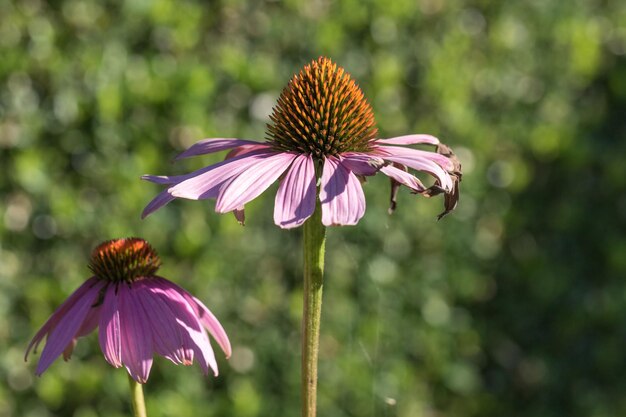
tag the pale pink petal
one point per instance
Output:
(166, 336)
(211, 323)
(341, 195)
(403, 178)
(194, 336)
(136, 337)
(241, 150)
(58, 314)
(421, 164)
(204, 315)
(206, 146)
(441, 160)
(109, 333)
(175, 179)
(67, 327)
(295, 199)
(409, 140)
(198, 341)
(362, 163)
(208, 183)
(251, 182)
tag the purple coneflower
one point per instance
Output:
(137, 313)
(322, 133)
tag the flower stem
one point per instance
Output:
(136, 398)
(314, 241)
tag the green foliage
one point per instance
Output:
(514, 305)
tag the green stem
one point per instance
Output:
(136, 398)
(314, 240)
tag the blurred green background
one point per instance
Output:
(514, 305)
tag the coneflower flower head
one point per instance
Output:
(321, 143)
(322, 112)
(137, 314)
(124, 260)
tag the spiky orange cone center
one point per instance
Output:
(124, 260)
(322, 112)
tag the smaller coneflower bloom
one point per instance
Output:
(137, 314)
(322, 141)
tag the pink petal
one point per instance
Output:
(206, 146)
(441, 160)
(136, 337)
(295, 199)
(175, 179)
(163, 198)
(199, 342)
(89, 325)
(403, 178)
(241, 150)
(361, 163)
(204, 315)
(109, 333)
(67, 327)
(166, 336)
(252, 181)
(409, 140)
(58, 314)
(194, 336)
(211, 323)
(422, 164)
(192, 313)
(207, 184)
(341, 195)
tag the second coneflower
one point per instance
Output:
(322, 129)
(137, 314)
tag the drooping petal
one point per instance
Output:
(207, 184)
(403, 178)
(362, 163)
(67, 327)
(204, 315)
(198, 341)
(295, 199)
(208, 319)
(409, 140)
(109, 332)
(441, 160)
(136, 337)
(206, 146)
(251, 182)
(69, 349)
(163, 198)
(166, 335)
(91, 321)
(241, 150)
(341, 195)
(89, 324)
(58, 314)
(193, 334)
(425, 165)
